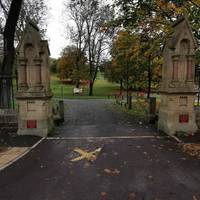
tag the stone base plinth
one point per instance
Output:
(170, 122)
(42, 128)
(35, 117)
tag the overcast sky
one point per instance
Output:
(55, 29)
(56, 32)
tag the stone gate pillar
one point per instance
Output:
(178, 88)
(34, 93)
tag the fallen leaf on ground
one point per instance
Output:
(150, 177)
(103, 194)
(131, 196)
(192, 149)
(115, 154)
(183, 159)
(107, 171)
(194, 198)
(112, 171)
(170, 149)
(86, 165)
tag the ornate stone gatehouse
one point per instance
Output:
(34, 93)
(178, 88)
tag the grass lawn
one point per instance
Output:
(102, 89)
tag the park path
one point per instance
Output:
(99, 118)
(141, 166)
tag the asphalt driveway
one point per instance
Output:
(140, 165)
(98, 118)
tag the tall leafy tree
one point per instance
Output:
(77, 33)
(90, 33)
(125, 53)
(152, 20)
(67, 63)
(9, 53)
(135, 62)
(31, 9)
(13, 18)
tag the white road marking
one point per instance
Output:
(111, 137)
(177, 139)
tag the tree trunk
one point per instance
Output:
(77, 83)
(121, 86)
(9, 55)
(127, 83)
(130, 101)
(91, 88)
(6, 91)
(78, 58)
(149, 78)
(199, 89)
(127, 95)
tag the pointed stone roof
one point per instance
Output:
(179, 26)
(30, 28)
(45, 45)
(32, 24)
(32, 34)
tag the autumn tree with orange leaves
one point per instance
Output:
(130, 64)
(67, 65)
(151, 21)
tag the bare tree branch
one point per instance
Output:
(3, 7)
(194, 3)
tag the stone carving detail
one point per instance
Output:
(34, 93)
(183, 101)
(177, 87)
(190, 65)
(175, 68)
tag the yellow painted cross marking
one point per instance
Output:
(90, 156)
